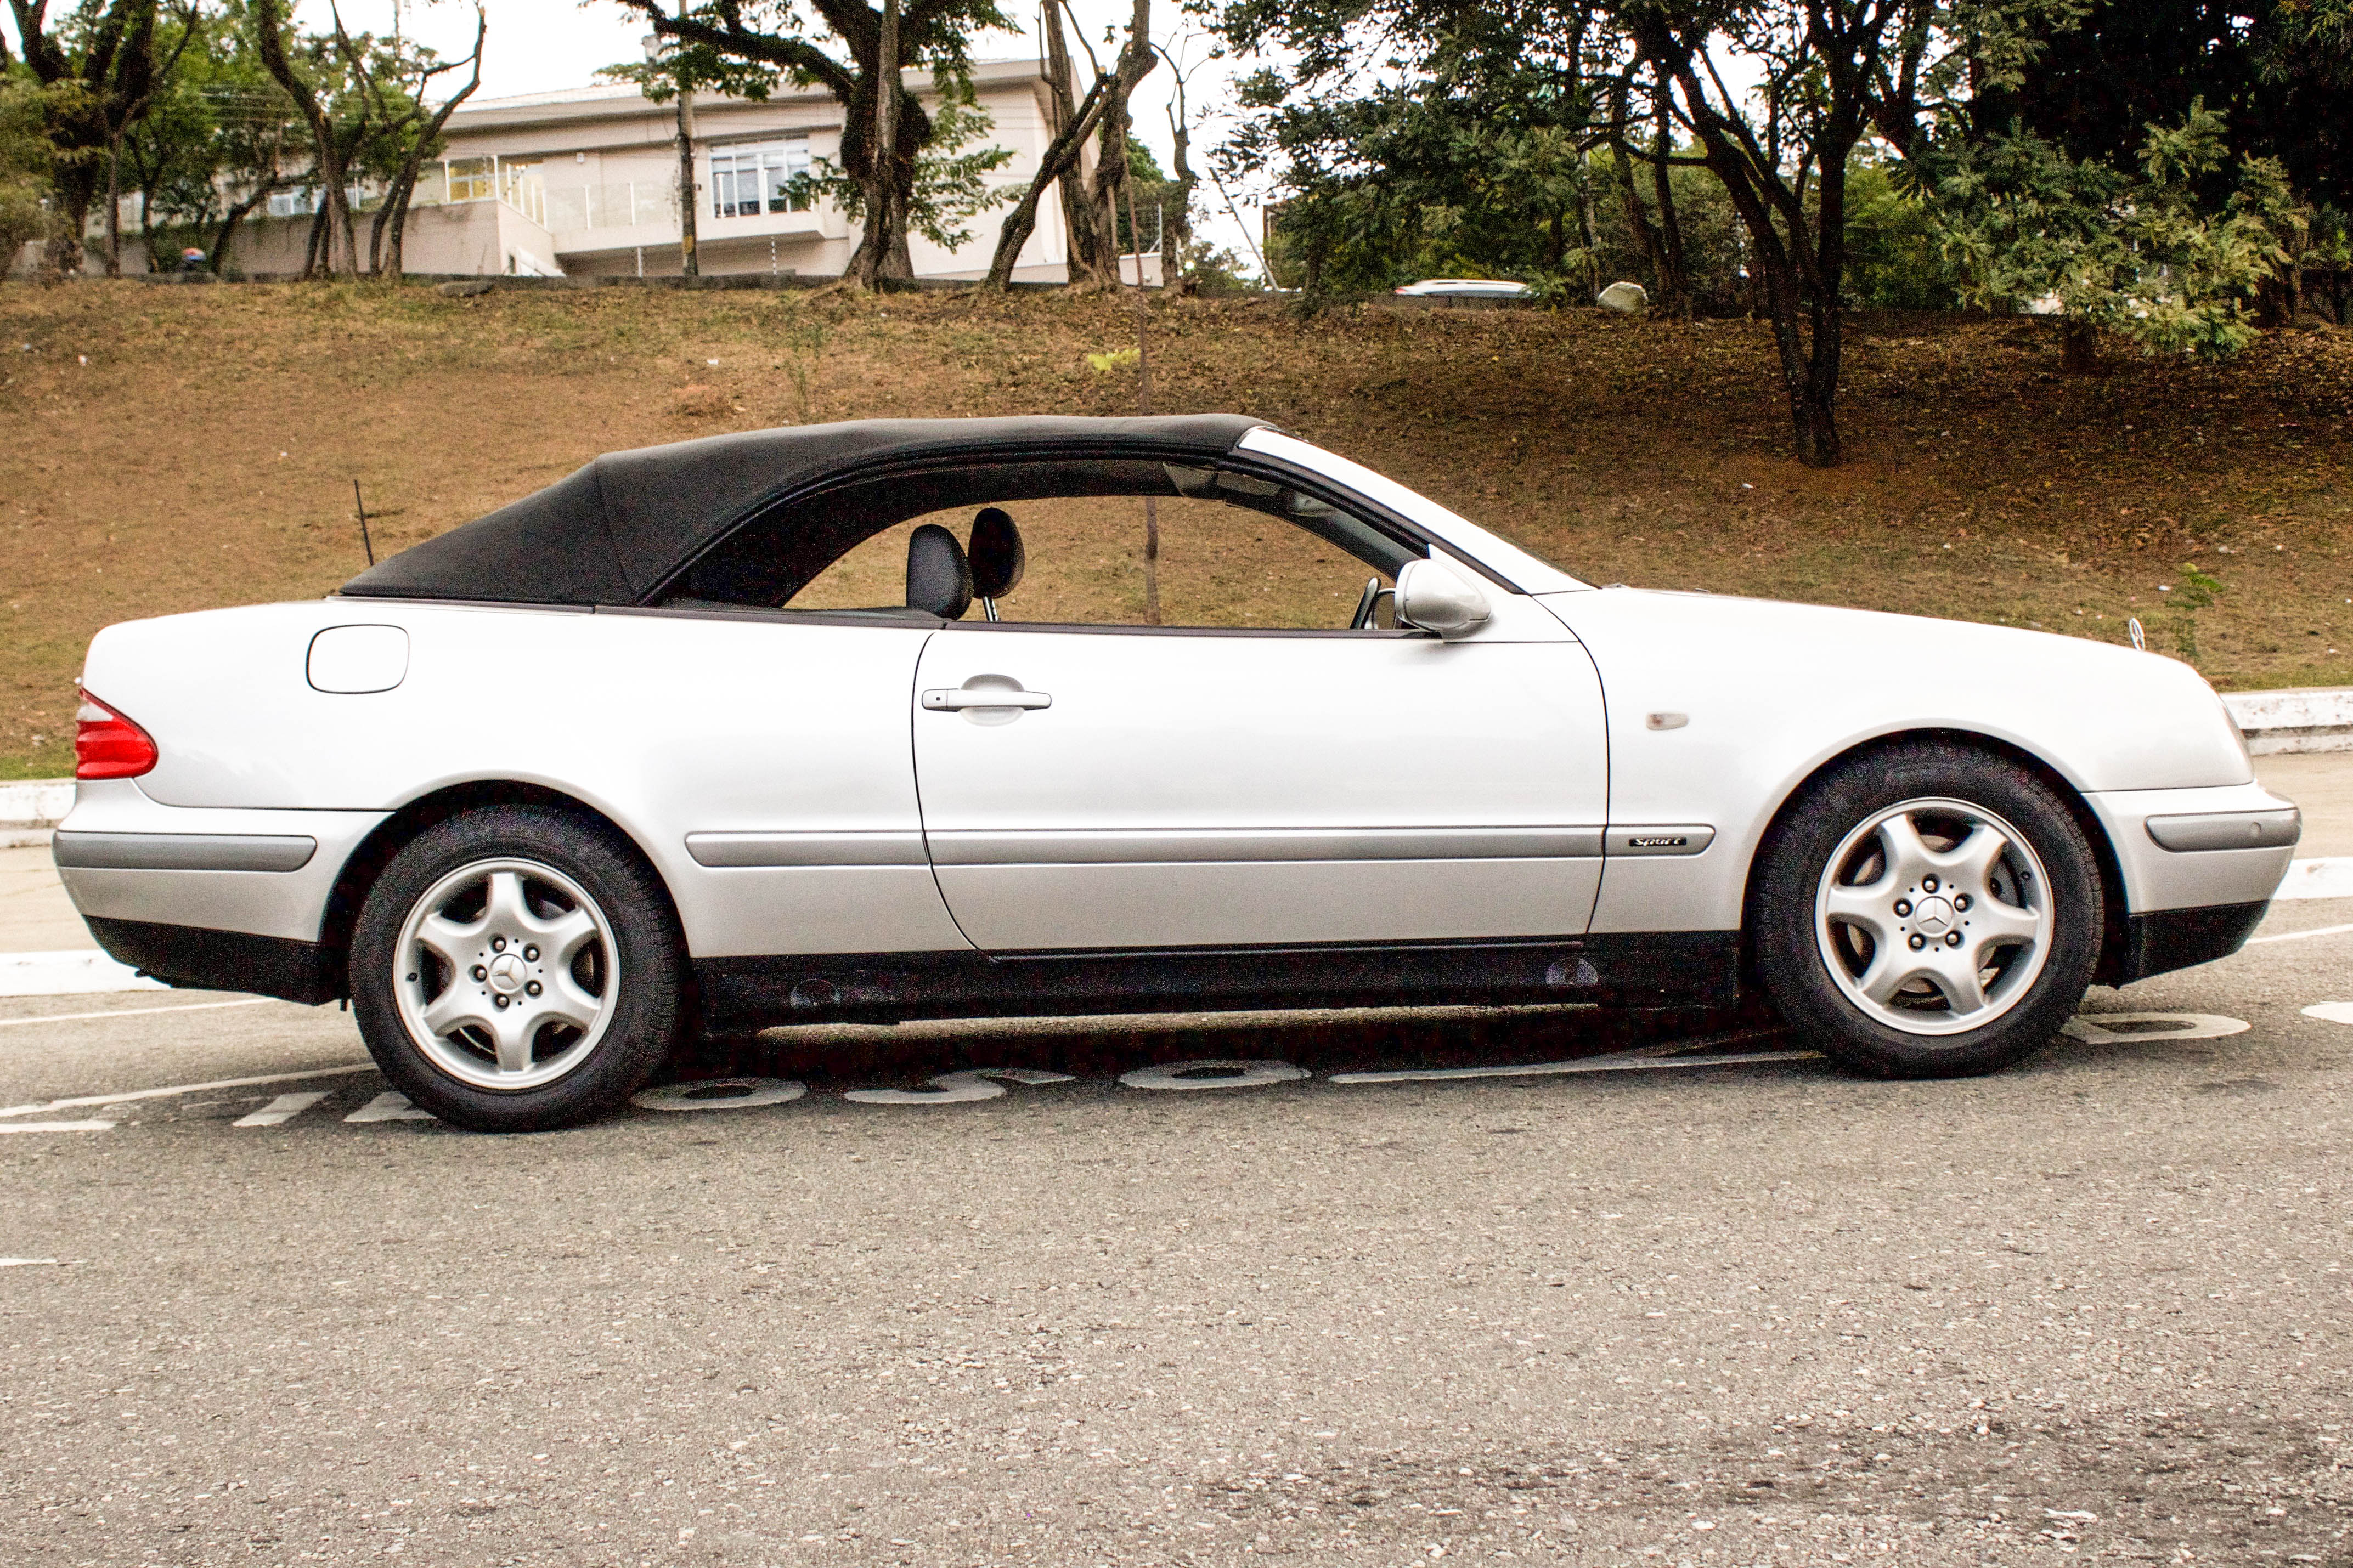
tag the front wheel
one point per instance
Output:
(516, 969)
(1927, 911)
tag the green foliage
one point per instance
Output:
(2198, 588)
(25, 163)
(2156, 256)
(1894, 255)
(1460, 151)
(218, 129)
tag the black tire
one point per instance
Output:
(1794, 953)
(643, 1015)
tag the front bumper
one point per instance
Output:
(2207, 869)
(2200, 868)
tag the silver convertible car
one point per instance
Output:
(966, 718)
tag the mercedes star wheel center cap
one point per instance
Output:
(507, 972)
(1934, 916)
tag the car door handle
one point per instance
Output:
(950, 701)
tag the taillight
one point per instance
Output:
(107, 745)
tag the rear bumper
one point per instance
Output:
(199, 959)
(126, 859)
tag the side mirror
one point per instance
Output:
(1433, 597)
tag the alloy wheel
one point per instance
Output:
(1934, 917)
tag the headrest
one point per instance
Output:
(939, 578)
(997, 557)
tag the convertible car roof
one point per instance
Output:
(615, 530)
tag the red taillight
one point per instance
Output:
(107, 745)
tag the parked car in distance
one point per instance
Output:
(803, 724)
(1466, 289)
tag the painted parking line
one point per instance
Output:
(124, 1099)
(2298, 935)
(2129, 1028)
(2331, 1011)
(283, 1108)
(24, 1262)
(133, 1012)
(56, 1126)
(390, 1106)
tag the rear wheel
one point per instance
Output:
(516, 969)
(1928, 911)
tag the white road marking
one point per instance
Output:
(1230, 1075)
(2331, 1011)
(390, 1106)
(2326, 877)
(718, 1094)
(957, 1087)
(285, 1108)
(134, 1012)
(57, 1127)
(2101, 1028)
(179, 1089)
(23, 1262)
(2299, 935)
(73, 972)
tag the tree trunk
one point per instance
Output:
(1134, 63)
(229, 223)
(114, 207)
(1078, 235)
(1181, 230)
(883, 202)
(1660, 248)
(1054, 167)
(2079, 347)
(311, 250)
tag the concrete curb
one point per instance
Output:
(2314, 719)
(30, 809)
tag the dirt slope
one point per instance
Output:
(178, 449)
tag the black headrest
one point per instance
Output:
(997, 557)
(939, 578)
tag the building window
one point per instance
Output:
(472, 179)
(748, 178)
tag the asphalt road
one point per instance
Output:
(1755, 1312)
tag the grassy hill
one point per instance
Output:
(178, 449)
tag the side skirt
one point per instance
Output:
(1666, 969)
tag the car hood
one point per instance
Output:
(2103, 715)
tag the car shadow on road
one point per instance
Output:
(834, 1056)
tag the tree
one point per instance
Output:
(857, 53)
(1410, 136)
(2146, 255)
(214, 145)
(2277, 74)
(361, 101)
(24, 161)
(100, 70)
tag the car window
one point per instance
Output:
(1220, 566)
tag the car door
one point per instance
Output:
(1141, 788)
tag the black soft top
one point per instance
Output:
(617, 530)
